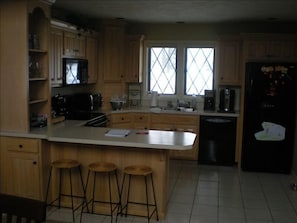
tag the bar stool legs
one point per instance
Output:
(66, 165)
(140, 171)
(110, 170)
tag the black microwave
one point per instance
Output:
(75, 71)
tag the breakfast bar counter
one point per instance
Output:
(72, 140)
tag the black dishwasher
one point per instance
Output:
(217, 140)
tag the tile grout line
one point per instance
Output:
(241, 195)
(195, 195)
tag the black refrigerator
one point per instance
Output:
(269, 117)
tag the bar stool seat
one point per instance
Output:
(108, 169)
(147, 173)
(65, 164)
(102, 167)
(138, 170)
(69, 166)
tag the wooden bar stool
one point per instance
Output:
(66, 165)
(145, 172)
(101, 169)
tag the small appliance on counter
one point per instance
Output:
(83, 106)
(209, 100)
(154, 99)
(58, 105)
(227, 97)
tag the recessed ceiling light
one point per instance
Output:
(272, 19)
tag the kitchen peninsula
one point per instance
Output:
(72, 140)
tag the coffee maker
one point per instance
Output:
(227, 97)
(209, 100)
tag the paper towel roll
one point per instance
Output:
(154, 100)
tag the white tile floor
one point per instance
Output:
(218, 194)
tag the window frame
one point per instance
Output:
(181, 66)
(185, 65)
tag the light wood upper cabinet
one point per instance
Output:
(229, 58)
(92, 57)
(270, 46)
(134, 58)
(21, 167)
(113, 52)
(56, 52)
(271, 49)
(74, 44)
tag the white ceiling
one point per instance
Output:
(189, 11)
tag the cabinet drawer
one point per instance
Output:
(184, 119)
(22, 145)
(141, 118)
(175, 119)
(120, 118)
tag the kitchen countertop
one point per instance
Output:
(71, 131)
(167, 111)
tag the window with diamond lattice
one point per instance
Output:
(180, 69)
(162, 70)
(199, 70)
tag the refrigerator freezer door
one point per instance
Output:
(269, 117)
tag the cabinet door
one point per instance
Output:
(229, 54)
(183, 123)
(92, 56)
(141, 121)
(56, 52)
(113, 51)
(134, 58)
(121, 120)
(186, 154)
(74, 45)
(21, 167)
(24, 171)
(277, 47)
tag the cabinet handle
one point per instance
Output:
(20, 146)
(34, 162)
(123, 118)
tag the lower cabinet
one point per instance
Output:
(121, 120)
(141, 120)
(167, 122)
(183, 123)
(21, 167)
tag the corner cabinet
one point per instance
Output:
(39, 103)
(20, 156)
(229, 59)
(134, 58)
(24, 68)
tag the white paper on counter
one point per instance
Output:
(118, 132)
